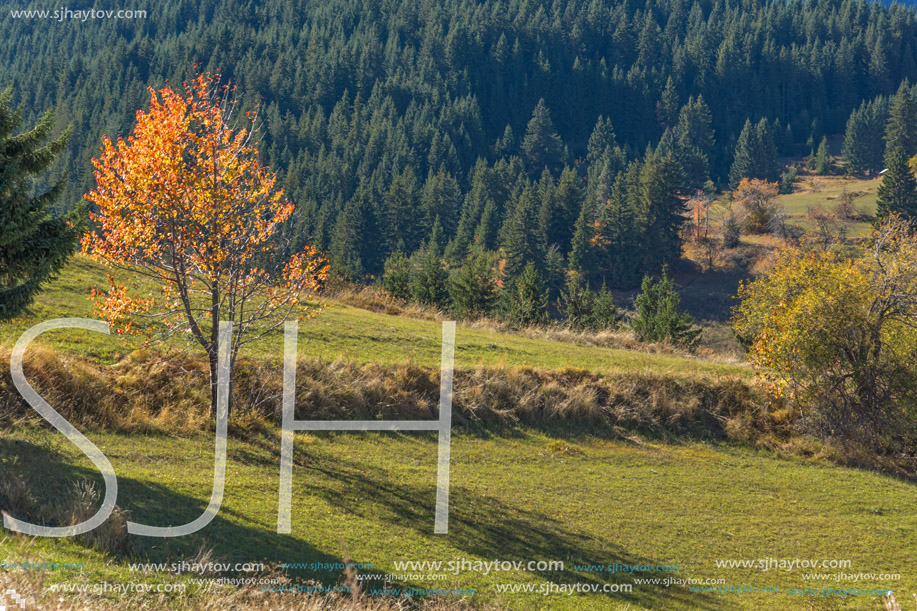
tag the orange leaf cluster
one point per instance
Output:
(185, 201)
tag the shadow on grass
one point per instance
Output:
(480, 526)
(51, 480)
(490, 529)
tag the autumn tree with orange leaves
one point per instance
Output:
(185, 203)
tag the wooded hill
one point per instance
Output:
(382, 115)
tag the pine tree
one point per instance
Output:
(901, 130)
(429, 285)
(542, 147)
(474, 289)
(822, 157)
(397, 276)
(864, 137)
(34, 244)
(529, 299)
(659, 318)
(576, 303)
(898, 192)
(522, 241)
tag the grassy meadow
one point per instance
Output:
(826, 191)
(587, 496)
(369, 498)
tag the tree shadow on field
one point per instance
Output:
(51, 481)
(488, 528)
(480, 525)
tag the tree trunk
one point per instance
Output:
(214, 359)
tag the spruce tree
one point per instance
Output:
(474, 289)
(529, 299)
(346, 242)
(560, 210)
(442, 199)
(429, 285)
(555, 269)
(522, 241)
(864, 137)
(582, 257)
(694, 143)
(396, 280)
(405, 229)
(822, 157)
(755, 154)
(622, 244)
(576, 303)
(744, 162)
(542, 147)
(767, 167)
(659, 318)
(898, 192)
(602, 140)
(901, 130)
(34, 244)
(506, 144)
(605, 313)
(663, 209)
(668, 105)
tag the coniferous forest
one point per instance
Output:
(494, 135)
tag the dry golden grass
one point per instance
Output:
(80, 504)
(169, 394)
(36, 595)
(163, 393)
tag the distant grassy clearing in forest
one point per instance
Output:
(826, 191)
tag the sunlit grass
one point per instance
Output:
(370, 498)
(350, 333)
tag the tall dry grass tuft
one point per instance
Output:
(15, 498)
(111, 536)
(80, 504)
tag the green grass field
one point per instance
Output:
(516, 494)
(369, 498)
